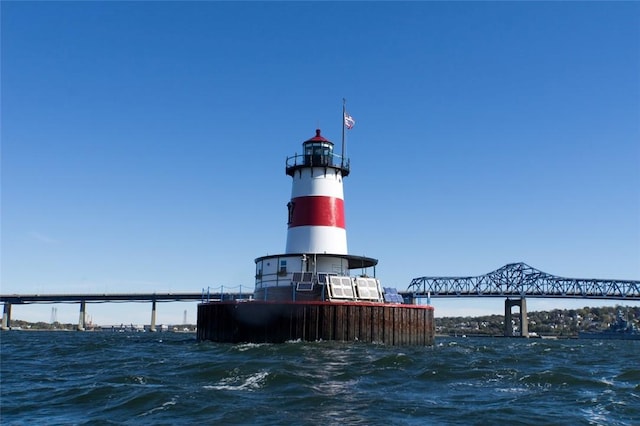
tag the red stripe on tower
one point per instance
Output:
(317, 211)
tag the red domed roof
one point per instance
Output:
(318, 138)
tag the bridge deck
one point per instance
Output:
(119, 297)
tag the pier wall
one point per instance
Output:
(277, 322)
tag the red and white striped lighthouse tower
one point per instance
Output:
(316, 210)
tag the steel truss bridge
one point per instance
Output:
(521, 280)
(516, 282)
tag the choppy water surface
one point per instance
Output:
(167, 378)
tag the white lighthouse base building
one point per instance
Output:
(317, 277)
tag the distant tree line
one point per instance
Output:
(558, 322)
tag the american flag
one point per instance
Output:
(349, 121)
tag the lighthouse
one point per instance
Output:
(315, 289)
(316, 264)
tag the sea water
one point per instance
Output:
(63, 378)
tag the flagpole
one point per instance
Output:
(344, 113)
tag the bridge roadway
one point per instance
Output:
(17, 299)
(23, 299)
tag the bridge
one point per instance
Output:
(517, 281)
(22, 299)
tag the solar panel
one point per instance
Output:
(391, 295)
(341, 288)
(304, 286)
(297, 276)
(368, 288)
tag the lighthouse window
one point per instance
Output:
(290, 206)
(283, 266)
(318, 154)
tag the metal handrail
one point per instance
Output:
(334, 160)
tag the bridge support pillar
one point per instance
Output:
(83, 315)
(524, 323)
(6, 316)
(152, 327)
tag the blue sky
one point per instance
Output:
(143, 143)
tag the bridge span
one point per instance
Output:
(516, 282)
(205, 295)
